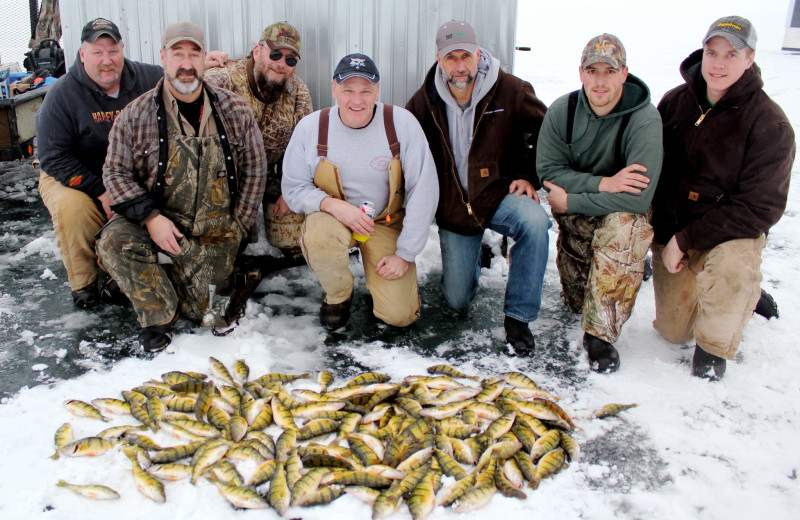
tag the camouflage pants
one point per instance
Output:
(601, 264)
(131, 257)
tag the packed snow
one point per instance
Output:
(691, 449)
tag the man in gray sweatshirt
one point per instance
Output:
(340, 158)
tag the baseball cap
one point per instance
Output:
(100, 27)
(737, 30)
(356, 65)
(605, 48)
(455, 35)
(183, 32)
(282, 35)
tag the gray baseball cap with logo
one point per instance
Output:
(455, 35)
(737, 30)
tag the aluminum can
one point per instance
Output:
(367, 207)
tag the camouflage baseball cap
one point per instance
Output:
(282, 35)
(605, 48)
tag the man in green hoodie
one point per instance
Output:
(599, 155)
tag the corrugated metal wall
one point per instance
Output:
(398, 34)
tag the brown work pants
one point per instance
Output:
(76, 220)
(712, 297)
(326, 244)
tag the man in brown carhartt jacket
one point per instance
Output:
(478, 121)
(728, 157)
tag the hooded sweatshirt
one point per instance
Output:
(503, 126)
(578, 168)
(462, 121)
(73, 123)
(725, 177)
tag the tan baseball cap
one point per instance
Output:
(183, 32)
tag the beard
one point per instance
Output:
(269, 90)
(184, 87)
(461, 83)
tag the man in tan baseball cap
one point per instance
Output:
(179, 188)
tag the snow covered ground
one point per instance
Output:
(689, 450)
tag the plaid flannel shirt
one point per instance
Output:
(131, 166)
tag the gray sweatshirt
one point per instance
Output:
(462, 122)
(363, 157)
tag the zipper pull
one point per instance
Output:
(702, 116)
(469, 208)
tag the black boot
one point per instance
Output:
(111, 294)
(87, 297)
(766, 306)
(155, 338)
(708, 366)
(603, 357)
(519, 336)
(335, 315)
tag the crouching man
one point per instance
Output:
(362, 151)
(186, 172)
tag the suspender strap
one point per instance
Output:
(391, 135)
(572, 105)
(322, 139)
(230, 166)
(163, 151)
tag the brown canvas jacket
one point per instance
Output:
(507, 122)
(726, 177)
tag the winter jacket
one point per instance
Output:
(726, 176)
(131, 169)
(506, 127)
(73, 123)
(578, 168)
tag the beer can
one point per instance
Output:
(367, 207)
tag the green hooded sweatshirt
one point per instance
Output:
(578, 168)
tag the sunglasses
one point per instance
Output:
(291, 60)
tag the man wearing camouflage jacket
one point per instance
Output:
(186, 172)
(266, 79)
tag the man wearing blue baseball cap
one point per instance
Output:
(338, 160)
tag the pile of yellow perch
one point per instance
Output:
(385, 443)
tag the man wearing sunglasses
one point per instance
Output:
(266, 79)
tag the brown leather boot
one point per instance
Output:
(335, 315)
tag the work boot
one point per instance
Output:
(335, 315)
(766, 306)
(603, 357)
(708, 366)
(111, 294)
(519, 336)
(87, 297)
(155, 338)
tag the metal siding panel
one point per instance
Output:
(398, 34)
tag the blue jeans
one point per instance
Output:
(525, 222)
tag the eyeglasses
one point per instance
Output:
(291, 60)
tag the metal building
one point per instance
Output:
(398, 34)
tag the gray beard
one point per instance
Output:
(185, 88)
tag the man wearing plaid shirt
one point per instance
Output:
(186, 171)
